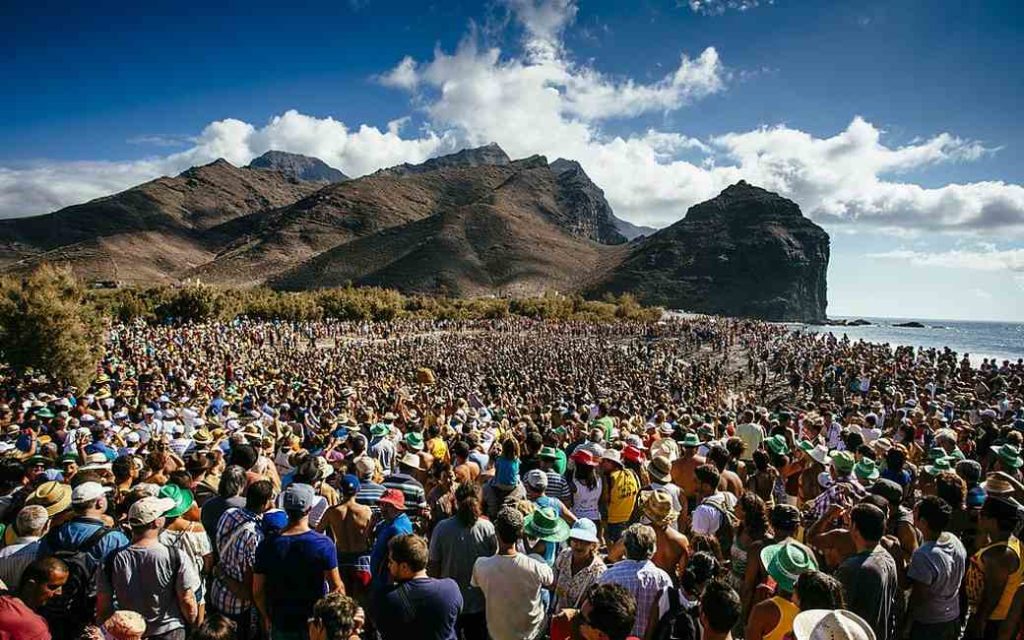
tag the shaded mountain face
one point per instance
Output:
(472, 223)
(747, 252)
(633, 231)
(298, 167)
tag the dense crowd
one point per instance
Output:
(693, 479)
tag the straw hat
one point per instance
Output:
(657, 506)
(660, 469)
(55, 497)
(829, 624)
(996, 484)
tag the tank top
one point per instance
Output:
(585, 501)
(622, 496)
(1013, 582)
(787, 613)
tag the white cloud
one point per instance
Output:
(718, 7)
(541, 100)
(983, 257)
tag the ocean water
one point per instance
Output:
(1000, 340)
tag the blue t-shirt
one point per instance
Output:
(99, 447)
(420, 609)
(294, 567)
(399, 526)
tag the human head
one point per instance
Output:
(867, 523)
(468, 505)
(607, 612)
(32, 521)
(818, 590)
(42, 580)
(720, 607)
(509, 525)
(297, 499)
(951, 487)
(408, 557)
(701, 568)
(707, 478)
(932, 515)
(334, 618)
(259, 496)
(123, 469)
(232, 482)
(640, 541)
(998, 514)
(244, 455)
(128, 625)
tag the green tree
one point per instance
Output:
(47, 325)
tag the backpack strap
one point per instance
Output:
(94, 539)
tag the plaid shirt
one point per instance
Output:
(843, 491)
(644, 580)
(237, 555)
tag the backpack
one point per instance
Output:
(679, 622)
(75, 607)
(729, 523)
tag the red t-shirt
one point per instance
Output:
(18, 622)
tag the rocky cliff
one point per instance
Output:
(747, 252)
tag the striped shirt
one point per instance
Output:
(15, 557)
(644, 580)
(557, 486)
(238, 534)
(415, 497)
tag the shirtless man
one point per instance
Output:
(348, 524)
(465, 469)
(684, 470)
(729, 480)
(673, 548)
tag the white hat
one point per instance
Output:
(536, 479)
(95, 461)
(820, 454)
(147, 510)
(132, 437)
(149, 411)
(88, 418)
(828, 624)
(87, 492)
(410, 460)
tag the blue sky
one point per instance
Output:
(664, 103)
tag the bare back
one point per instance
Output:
(673, 547)
(348, 524)
(684, 474)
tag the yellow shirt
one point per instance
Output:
(622, 495)
(787, 613)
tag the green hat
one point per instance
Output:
(413, 440)
(866, 469)
(45, 412)
(786, 561)
(38, 459)
(545, 524)
(69, 457)
(806, 445)
(690, 440)
(936, 453)
(843, 461)
(548, 452)
(1009, 455)
(379, 430)
(183, 499)
(940, 465)
(777, 445)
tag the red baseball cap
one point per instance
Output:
(394, 497)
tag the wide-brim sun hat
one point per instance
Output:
(1009, 455)
(379, 430)
(786, 561)
(831, 624)
(777, 445)
(690, 440)
(183, 499)
(660, 469)
(820, 455)
(546, 525)
(612, 455)
(866, 470)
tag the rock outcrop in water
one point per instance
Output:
(747, 252)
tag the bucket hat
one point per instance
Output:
(777, 445)
(820, 454)
(690, 440)
(786, 561)
(660, 469)
(940, 465)
(379, 430)
(584, 457)
(545, 524)
(183, 499)
(843, 462)
(414, 441)
(548, 452)
(831, 624)
(584, 529)
(1009, 455)
(657, 506)
(866, 470)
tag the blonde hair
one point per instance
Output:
(125, 625)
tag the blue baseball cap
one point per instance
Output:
(349, 484)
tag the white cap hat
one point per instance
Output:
(828, 624)
(147, 510)
(87, 492)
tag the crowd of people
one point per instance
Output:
(696, 478)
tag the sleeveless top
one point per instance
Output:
(976, 574)
(738, 568)
(585, 500)
(787, 612)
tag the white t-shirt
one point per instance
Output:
(752, 436)
(706, 519)
(511, 586)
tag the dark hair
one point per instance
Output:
(232, 482)
(718, 456)
(467, 503)
(869, 520)
(951, 488)
(337, 613)
(761, 460)
(735, 446)
(1005, 513)
(708, 544)
(818, 590)
(508, 525)
(895, 459)
(720, 606)
(214, 627)
(936, 512)
(612, 609)
(39, 571)
(244, 455)
(755, 515)
(181, 478)
(258, 494)
(701, 568)
(708, 474)
(534, 441)
(122, 468)
(460, 450)
(409, 549)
